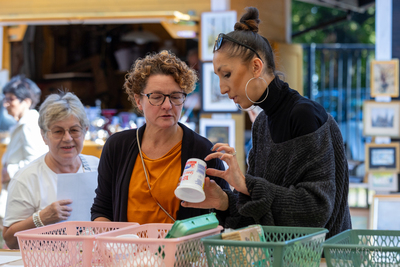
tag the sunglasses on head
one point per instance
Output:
(220, 40)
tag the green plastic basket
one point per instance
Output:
(284, 246)
(363, 248)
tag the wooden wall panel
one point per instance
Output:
(21, 7)
(289, 61)
(275, 17)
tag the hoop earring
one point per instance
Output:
(245, 90)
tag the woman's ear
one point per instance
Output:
(44, 136)
(257, 67)
(138, 101)
(28, 102)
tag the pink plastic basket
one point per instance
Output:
(64, 244)
(151, 248)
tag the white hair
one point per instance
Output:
(58, 107)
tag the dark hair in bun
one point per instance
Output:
(249, 21)
(246, 32)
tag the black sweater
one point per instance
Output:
(297, 179)
(290, 115)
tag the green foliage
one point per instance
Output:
(358, 28)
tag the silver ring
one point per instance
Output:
(234, 153)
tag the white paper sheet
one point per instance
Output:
(80, 188)
(8, 259)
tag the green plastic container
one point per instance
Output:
(284, 246)
(363, 248)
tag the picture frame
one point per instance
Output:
(381, 118)
(212, 100)
(383, 181)
(384, 78)
(212, 24)
(218, 130)
(382, 157)
(381, 207)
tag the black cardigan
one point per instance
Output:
(116, 166)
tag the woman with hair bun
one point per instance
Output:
(298, 171)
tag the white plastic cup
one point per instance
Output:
(191, 187)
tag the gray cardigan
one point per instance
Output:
(302, 182)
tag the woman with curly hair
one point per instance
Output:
(140, 169)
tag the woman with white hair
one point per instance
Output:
(32, 200)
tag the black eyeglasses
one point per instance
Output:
(157, 99)
(220, 40)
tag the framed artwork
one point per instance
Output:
(382, 157)
(212, 24)
(212, 99)
(385, 78)
(218, 130)
(381, 118)
(383, 181)
(385, 213)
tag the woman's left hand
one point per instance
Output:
(233, 174)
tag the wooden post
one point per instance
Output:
(6, 51)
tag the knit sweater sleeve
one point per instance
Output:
(297, 184)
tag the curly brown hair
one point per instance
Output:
(164, 63)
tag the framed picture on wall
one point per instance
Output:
(382, 157)
(385, 212)
(381, 118)
(212, 24)
(218, 130)
(212, 99)
(383, 181)
(385, 78)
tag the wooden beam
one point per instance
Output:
(106, 17)
(181, 31)
(16, 33)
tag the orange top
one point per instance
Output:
(163, 176)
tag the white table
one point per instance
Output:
(6, 252)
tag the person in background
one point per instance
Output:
(26, 144)
(153, 156)
(32, 199)
(298, 171)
